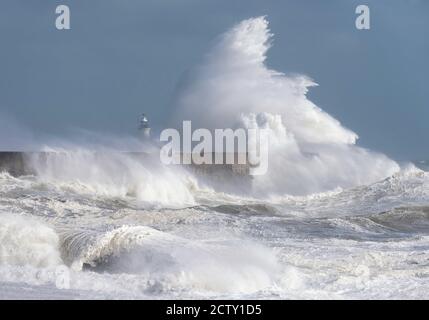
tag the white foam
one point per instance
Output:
(114, 174)
(25, 241)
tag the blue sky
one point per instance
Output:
(124, 57)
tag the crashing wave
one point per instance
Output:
(310, 151)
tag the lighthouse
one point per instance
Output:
(144, 127)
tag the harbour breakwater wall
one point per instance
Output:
(15, 163)
(20, 163)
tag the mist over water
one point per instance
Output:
(329, 219)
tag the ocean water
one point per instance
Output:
(365, 242)
(329, 220)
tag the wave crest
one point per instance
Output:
(312, 152)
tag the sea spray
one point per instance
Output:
(310, 150)
(114, 174)
(26, 241)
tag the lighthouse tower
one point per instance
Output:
(144, 127)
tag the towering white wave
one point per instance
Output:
(310, 151)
